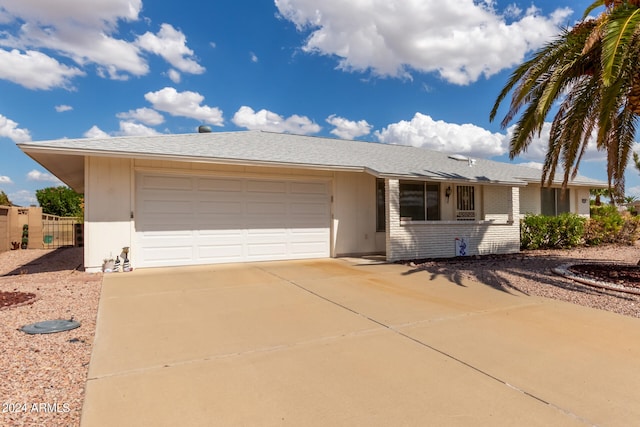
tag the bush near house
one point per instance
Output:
(606, 225)
(609, 225)
(551, 232)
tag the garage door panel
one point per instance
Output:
(308, 249)
(220, 207)
(221, 223)
(210, 220)
(167, 182)
(220, 185)
(164, 224)
(307, 188)
(168, 237)
(231, 233)
(220, 238)
(275, 232)
(317, 209)
(261, 186)
(264, 251)
(177, 207)
(220, 253)
(161, 257)
(266, 208)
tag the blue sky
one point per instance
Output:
(418, 72)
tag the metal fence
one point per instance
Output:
(59, 231)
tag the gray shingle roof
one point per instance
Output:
(257, 147)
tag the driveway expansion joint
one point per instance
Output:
(393, 329)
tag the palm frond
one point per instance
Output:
(620, 29)
(596, 4)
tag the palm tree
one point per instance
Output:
(598, 194)
(592, 71)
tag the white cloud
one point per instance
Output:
(423, 131)
(147, 116)
(266, 120)
(36, 175)
(5, 180)
(174, 75)
(23, 198)
(96, 132)
(254, 57)
(9, 129)
(97, 13)
(35, 70)
(135, 129)
(86, 32)
(63, 108)
(459, 40)
(348, 129)
(185, 104)
(171, 45)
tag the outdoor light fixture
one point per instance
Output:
(447, 193)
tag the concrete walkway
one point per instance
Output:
(345, 343)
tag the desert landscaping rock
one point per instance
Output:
(531, 273)
(43, 376)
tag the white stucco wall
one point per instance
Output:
(436, 239)
(582, 202)
(354, 211)
(108, 208)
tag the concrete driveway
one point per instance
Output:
(339, 342)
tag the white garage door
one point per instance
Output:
(188, 220)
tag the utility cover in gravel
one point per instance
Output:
(50, 326)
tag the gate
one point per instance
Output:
(59, 231)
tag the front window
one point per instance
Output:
(554, 201)
(419, 201)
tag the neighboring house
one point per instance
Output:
(253, 196)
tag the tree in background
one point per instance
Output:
(61, 201)
(4, 199)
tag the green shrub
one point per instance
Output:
(608, 225)
(551, 232)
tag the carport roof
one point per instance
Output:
(65, 157)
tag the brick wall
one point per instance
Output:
(497, 234)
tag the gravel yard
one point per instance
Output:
(44, 375)
(530, 272)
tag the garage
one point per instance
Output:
(190, 220)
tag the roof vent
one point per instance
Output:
(461, 158)
(204, 129)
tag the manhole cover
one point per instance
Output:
(50, 326)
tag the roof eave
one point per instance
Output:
(31, 149)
